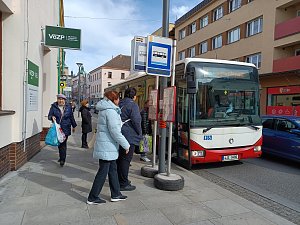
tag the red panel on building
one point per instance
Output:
(286, 64)
(284, 90)
(280, 110)
(297, 111)
(287, 28)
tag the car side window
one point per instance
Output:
(268, 123)
(285, 125)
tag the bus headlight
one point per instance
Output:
(257, 148)
(198, 153)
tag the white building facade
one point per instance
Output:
(28, 78)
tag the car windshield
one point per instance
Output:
(227, 95)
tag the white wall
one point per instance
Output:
(17, 27)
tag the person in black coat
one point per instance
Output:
(86, 123)
(131, 129)
(146, 127)
(62, 113)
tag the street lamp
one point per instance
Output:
(79, 89)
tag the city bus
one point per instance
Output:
(217, 110)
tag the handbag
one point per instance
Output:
(51, 137)
(146, 144)
(59, 132)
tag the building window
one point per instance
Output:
(298, 13)
(234, 5)
(181, 55)
(108, 84)
(218, 13)
(122, 76)
(254, 27)
(193, 27)
(250, 1)
(203, 47)
(204, 21)
(109, 75)
(217, 42)
(192, 51)
(234, 35)
(182, 34)
(255, 59)
(297, 52)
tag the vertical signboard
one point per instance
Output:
(32, 86)
(138, 54)
(169, 104)
(153, 105)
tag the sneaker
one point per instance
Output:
(119, 198)
(95, 202)
(145, 159)
(61, 163)
(129, 187)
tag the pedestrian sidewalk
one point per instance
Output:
(42, 192)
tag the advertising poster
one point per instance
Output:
(153, 104)
(169, 104)
(32, 86)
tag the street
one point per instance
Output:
(272, 179)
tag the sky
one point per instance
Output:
(108, 26)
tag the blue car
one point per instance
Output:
(281, 136)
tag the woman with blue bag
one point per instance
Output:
(62, 114)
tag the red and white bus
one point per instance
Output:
(217, 110)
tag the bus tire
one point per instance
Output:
(149, 171)
(168, 183)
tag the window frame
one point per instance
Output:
(216, 15)
(122, 76)
(190, 51)
(109, 75)
(258, 65)
(260, 27)
(182, 34)
(201, 21)
(231, 9)
(298, 13)
(213, 41)
(297, 52)
(193, 27)
(229, 41)
(180, 54)
(200, 47)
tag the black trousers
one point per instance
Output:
(123, 163)
(110, 168)
(84, 139)
(63, 150)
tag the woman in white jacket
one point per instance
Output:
(106, 148)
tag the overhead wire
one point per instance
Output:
(106, 18)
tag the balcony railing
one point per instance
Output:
(287, 28)
(286, 64)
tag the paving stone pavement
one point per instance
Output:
(41, 192)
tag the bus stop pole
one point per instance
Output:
(155, 130)
(171, 123)
(164, 84)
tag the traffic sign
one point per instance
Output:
(138, 53)
(159, 56)
(62, 84)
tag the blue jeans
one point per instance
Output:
(110, 168)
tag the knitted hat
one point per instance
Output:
(61, 96)
(84, 102)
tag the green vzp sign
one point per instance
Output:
(62, 37)
(33, 74)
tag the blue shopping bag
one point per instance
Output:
(51, 137)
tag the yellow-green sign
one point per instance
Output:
(33, 74)
(62, 37)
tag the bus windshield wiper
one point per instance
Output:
(207, 129)
(253, 127)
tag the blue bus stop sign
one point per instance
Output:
(159, 56)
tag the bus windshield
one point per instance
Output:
(226, 95)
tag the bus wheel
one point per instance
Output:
(173, 182)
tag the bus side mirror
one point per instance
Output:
(191, 81)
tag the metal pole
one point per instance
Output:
(79, 88)
(155, 130)
(165, 33)
(171, 123)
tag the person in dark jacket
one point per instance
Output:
(86, 123)
(63, 115)
(146, 127)
(131, 129)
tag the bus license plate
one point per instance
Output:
(230, 157)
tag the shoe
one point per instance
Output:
(95, 202)
(119, 198)
(58, 160)
(84, 146)
(61, 163)
(145, 159)
(129, 187)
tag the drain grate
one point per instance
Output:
(275, 207)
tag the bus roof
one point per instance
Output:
(221, 61)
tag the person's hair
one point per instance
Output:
(84, 102)
(112, 95)
(130, 93)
